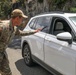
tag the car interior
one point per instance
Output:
(61, 26)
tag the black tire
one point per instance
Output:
(27, 56)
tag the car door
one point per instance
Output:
(37, 40)
(59, 54)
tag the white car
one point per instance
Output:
(54, 47)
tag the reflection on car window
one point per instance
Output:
(32, 24)
(44, 23)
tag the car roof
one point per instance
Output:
(63, 14)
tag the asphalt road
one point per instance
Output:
(17, 64)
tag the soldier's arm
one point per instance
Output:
(25, 33)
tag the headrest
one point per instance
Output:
(59, 25)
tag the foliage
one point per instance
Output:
(56, 4)
(57, 1)
(5, 8)
(40, 1)
(60, 1)
(73, 9)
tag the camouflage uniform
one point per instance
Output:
(6, 35)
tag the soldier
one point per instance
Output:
(8, 29)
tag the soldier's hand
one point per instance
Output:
(38, 30)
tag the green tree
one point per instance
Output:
(5, 8)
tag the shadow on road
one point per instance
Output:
(22, 68)
(35, 70)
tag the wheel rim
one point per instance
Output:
(26, 55)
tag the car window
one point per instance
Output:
(73, 19)
(32, 24)
(44, 23)
(59, 26)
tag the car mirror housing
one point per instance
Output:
(65, 36)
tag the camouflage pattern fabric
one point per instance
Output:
(4, 64)
(6, 35)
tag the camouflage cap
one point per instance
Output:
(18, 12)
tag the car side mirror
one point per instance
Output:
(65, 36)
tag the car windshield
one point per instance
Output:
(73, 19)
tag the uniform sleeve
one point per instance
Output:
(24, 33)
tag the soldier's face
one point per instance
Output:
(17, 21)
